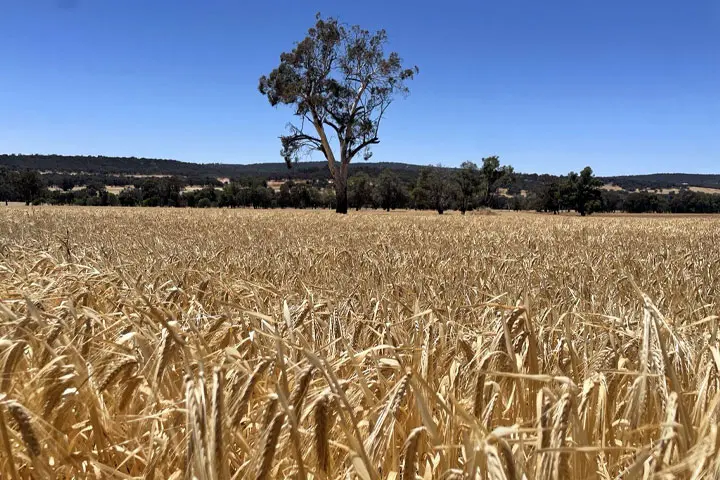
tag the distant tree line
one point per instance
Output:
(436, 188)
(682, 201)
(68, 181)
(470, 187)
(583, 193)
(123, 167)
(119, 169)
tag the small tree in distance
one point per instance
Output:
(582, 192)
(434, 189)
(340, 82)
(494, 176)
(390, 191)
(550, 198)
(30, 185)
(469, 179)
(360, 191)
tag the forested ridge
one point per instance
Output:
(101, 180)
(104, 165)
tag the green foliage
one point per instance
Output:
(130, 196)
(644, 202)
(360, 190)
(390, 192)
(494, 176)
(434, 190)
(581, 192)
(549, 199)
(29, 185)
(336, 78)
(67, 183)
(469, 179)
(368, 187)
(261, 197)
(478, 186)
(118, 171)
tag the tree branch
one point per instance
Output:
(301, 137)
(327, 150)
(366, 143)
(332, 125)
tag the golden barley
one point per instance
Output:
(391, 345)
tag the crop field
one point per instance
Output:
(180, 344)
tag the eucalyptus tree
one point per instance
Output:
(340, 82)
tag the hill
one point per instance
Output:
(665, 180)
(129, 166)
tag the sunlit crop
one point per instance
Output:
(173, 344)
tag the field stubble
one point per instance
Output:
(152, 343)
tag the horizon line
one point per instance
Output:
(121, 157)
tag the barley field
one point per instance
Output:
(219, 344)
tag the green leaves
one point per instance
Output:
(581, 192)
(338, 77)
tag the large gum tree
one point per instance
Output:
(340, 82)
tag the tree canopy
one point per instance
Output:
(583, 191)
(340, 83)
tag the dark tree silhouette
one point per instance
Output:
(494, 176)
(550, 198)
(390, 191)
(434, 189)
(469, 179)
(30, 185)
(582, 192)
(360, 191)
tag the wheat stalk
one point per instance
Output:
(531, 343)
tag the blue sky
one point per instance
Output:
(623, 86)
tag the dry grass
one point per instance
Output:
(173, 344)
(715, 191)
(664, 191)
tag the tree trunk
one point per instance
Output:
(341, 190)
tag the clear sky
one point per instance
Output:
(626, 86)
